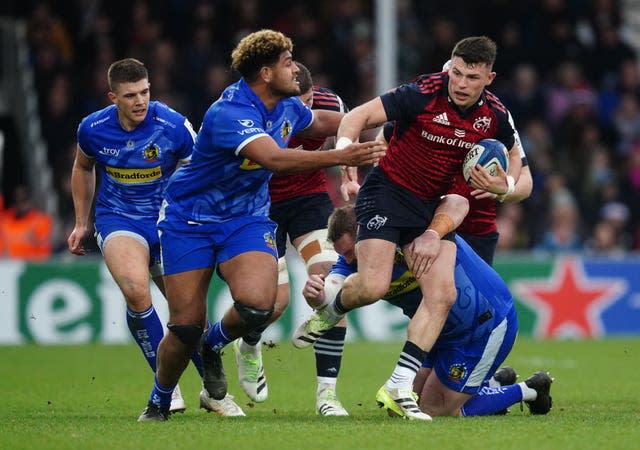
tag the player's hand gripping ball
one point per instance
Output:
(489, 153)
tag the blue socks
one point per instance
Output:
(147, 331)
(161, 395)
(195, 356)
(216, 337)
(489, 400)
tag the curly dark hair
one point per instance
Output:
(259, 49)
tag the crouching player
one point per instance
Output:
(457, 377)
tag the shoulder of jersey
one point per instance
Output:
(324, 98)
(430, 83)
(165, 114)
(494, 102)
(97, 118)
(163, 110)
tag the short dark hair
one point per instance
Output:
(304, 78)
(476, 50)
(128, 70)
(342, 220)
(257, 50)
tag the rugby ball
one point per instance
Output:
(489, 153)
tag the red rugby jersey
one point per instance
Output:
(481, 219)
(286, 186)
(432, 135)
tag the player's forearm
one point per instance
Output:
(455, 206)
(515, 164)
(83, 184)
(522, 188)
(325, 123)
(363, 117)
(292, 160)
(332, 286)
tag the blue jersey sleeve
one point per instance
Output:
(182, 135)
(304, 113)
(234, 127)
(341, 267)
(83, 138)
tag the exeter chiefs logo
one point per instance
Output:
(482, 124)
(286, 129)
(269, 240)
(457, 372)
(151, 153)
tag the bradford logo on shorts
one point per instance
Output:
(269, 240)
(457, 372)
(376, 222)
(152, 152)
(286, 129)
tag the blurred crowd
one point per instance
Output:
(565, 70)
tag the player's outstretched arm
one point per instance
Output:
(368, 115)
(422, 252)
(265, 151)
(83, 184)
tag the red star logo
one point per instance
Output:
(569, 303)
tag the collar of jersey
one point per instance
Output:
(469, 110)
(257, 102)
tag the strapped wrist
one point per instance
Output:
(343, 142)
(511, 186)
(434, 232)
(441, 224)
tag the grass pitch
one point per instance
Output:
(89, 397)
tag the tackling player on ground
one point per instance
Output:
(457, 378)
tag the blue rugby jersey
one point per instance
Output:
(483, 298)
(135, 165)
(220, 184)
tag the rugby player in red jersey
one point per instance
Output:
(438, 117)
(479, 227)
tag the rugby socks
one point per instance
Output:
(528, 394)
(195, 356)
(328, 351)
(161, 395)
(253, 337)
(147, 331)
(407, 366)
(489, 401)
(335, 310)
(216, 336)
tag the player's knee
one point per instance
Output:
(188, 334)
(316, 249)
(253, 317)
(137, 294)
(373, 291)
(447, 296)
(368, 291)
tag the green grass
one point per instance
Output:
(89, 397)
